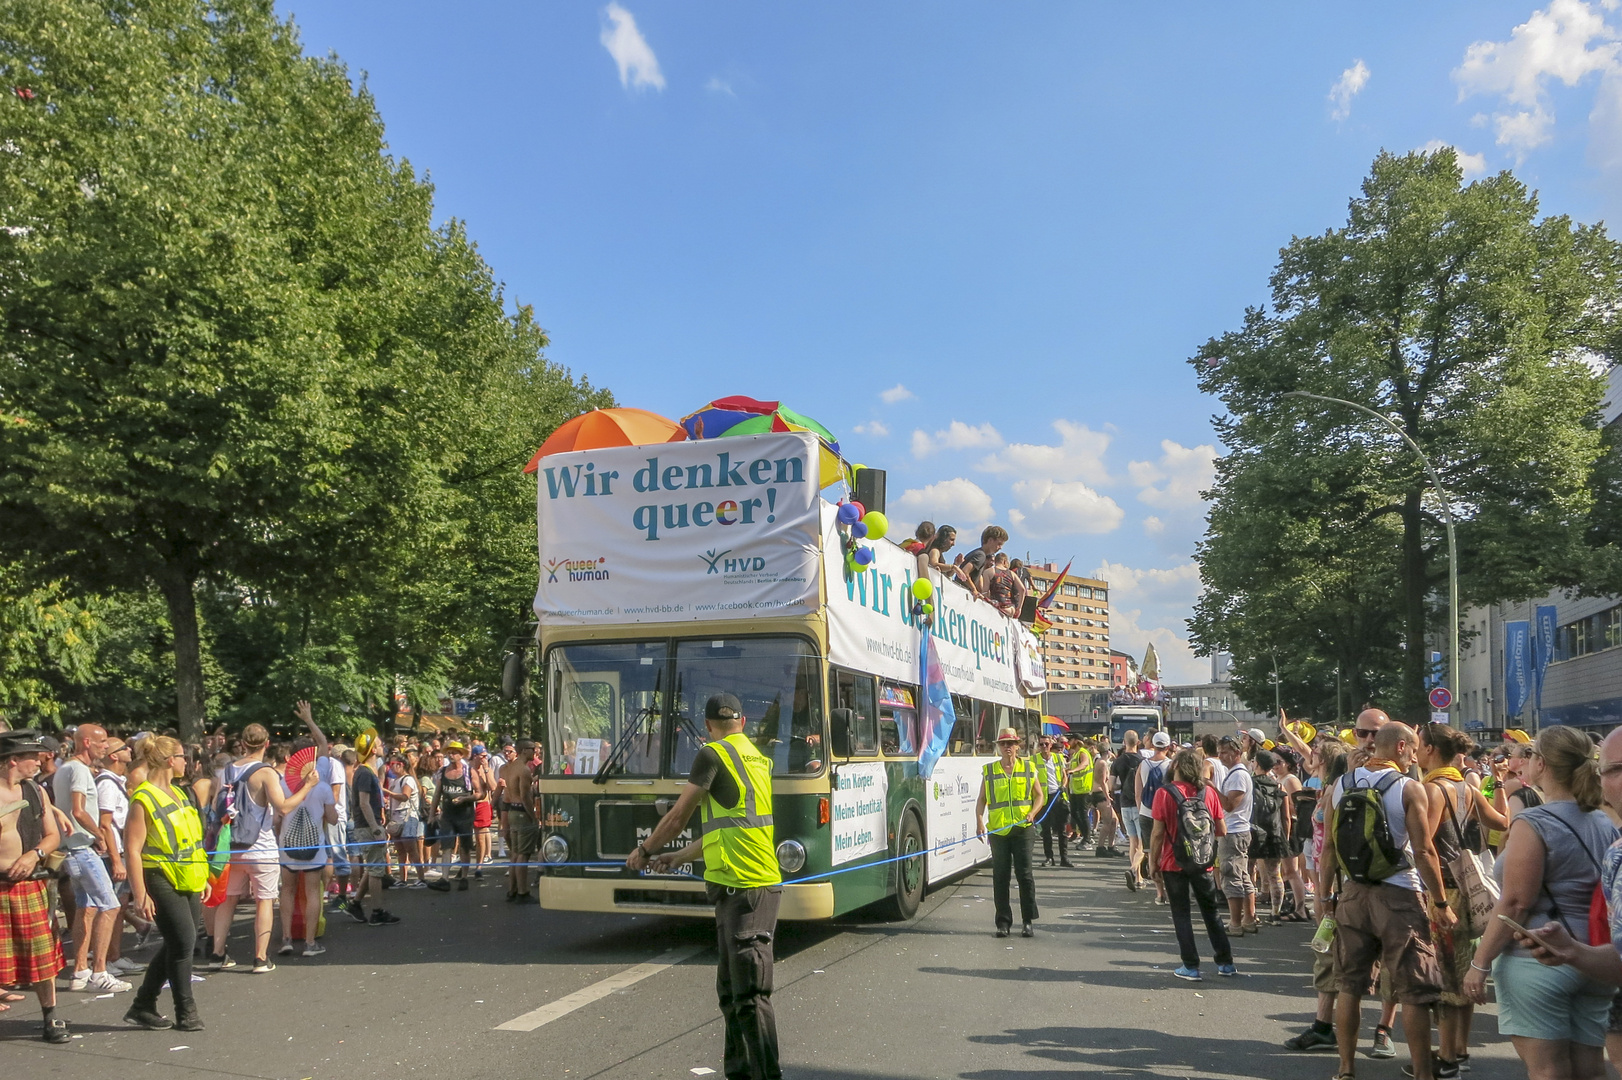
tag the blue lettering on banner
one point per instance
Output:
(655, 520)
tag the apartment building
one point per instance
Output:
(1076, 651)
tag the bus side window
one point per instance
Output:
(858, 693)
(963, 740)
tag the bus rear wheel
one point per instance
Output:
(909, 873)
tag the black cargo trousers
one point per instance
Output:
(745, 924)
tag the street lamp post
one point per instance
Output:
(1447, 516)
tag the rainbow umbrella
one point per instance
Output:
(1052, 725)
(718, 417)
(608, 427)
(782, 418)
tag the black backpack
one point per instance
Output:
(1267, 809)
(1195, 846)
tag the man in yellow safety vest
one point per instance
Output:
(1081, 791)
(731, 781)
(1012, 791)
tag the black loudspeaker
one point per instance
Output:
(870, 489)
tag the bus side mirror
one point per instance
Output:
(844, 731)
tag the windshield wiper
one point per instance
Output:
(619, 752)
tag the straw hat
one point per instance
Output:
(1007, 734)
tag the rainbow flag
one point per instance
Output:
(936, 715)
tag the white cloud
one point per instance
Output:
(1472, 165)
(876, 428)
(894, 394)
(1348, 86)
(1079, 456)
(1181, 473)
(718, 85)
(958, 502)
(1554, 43)
(1153, 525)
(1056, 507)
(625, 43)
(957, 436)
(1153, 605)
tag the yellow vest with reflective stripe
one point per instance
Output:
(174, 839)
(1081, 772)
(740, 849)
(1009, 797)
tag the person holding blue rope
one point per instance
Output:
(1012, 791)
(731, 783)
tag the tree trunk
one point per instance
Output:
(1415, 585)
(179, 589)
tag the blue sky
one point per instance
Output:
(978, 241)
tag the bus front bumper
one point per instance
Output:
(813, 900)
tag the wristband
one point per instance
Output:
(1439, 903)
(1477, 967)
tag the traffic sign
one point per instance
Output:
(1441, 698)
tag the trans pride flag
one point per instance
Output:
(935, 713)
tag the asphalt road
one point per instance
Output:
(1091, 994)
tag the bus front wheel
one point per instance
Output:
(909, 873)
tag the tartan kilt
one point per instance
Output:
(29, 949)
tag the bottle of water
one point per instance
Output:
(1324, 939)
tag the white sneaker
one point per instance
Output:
(81, 979)
(315, 948)
(124, 966)
(286, 949)
(107, 982)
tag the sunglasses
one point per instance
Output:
(1366, 733)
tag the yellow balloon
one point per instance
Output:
(923, 588)
(877, 524)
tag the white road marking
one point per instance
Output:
(565, 1005)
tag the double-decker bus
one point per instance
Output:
(678, 571)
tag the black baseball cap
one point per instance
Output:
(723, 707)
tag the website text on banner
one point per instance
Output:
(871, 626)
(719, 529)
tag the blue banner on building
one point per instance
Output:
(1542, 648)
(1517, 666)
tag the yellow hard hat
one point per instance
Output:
(1268, 744)
(1347, 737)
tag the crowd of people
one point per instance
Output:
(108, 844)
(1430, 862)
(986, 571)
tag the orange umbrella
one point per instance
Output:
(608, 427)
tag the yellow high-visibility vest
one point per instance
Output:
(1081, 772)
(174, 839)
(1009, 796)
(739, 845)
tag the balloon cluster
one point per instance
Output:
(857, 523)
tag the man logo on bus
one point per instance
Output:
(713, 558)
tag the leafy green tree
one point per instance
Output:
(46, 639)
(238, 353)
(1481, 330)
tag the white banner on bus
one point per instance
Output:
(1028, 666)
(717, 529)
(871, 628)
(858, 811)
(950, 794)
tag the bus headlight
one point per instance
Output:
(554, 849)
(791, 856)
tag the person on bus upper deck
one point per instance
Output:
(976, 562)
(1012, 791)
(932, 558)
(732, 781)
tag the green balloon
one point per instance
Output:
(923, 588)
(877, 524)
(929, 609)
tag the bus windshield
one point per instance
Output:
(638, 707)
